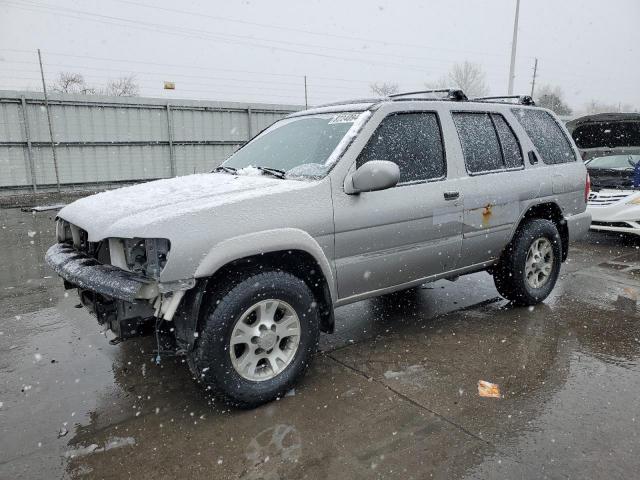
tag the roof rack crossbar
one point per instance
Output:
(452, 94)
(521, 99)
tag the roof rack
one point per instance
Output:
(452, 94)
(521, 99)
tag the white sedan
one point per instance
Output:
(614, 202)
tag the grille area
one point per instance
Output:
(603, 199)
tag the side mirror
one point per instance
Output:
(373, 175)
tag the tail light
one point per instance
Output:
(587, 187)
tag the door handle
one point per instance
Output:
(451, 195)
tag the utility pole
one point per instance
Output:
(306, 103)
(514, 44)
(46, 106)
(533, 81)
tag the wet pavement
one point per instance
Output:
(393, 394)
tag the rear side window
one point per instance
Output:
(511, 151)
(411, 140)
(488, 143)
(546, 135)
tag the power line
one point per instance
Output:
(210, 36)
(299, 30)
(367, 82)
(148, 84)
(205, 35)
(184, 75)
(164, 76)
(197, 67)
(162, 28)
(212, 90)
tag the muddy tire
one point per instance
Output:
(258, 338)
(530, 264)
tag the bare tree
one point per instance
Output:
(467, 76)
(384, 89)
(125, 86)
(69, 82)
(470, 78)
(553, 99)
(595, 106)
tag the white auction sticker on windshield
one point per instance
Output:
(349, 117)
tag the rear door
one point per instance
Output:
(402, 234)
(495, 185)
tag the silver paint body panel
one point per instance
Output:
(366, 244)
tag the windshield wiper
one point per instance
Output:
(273, 171)
(222, 168)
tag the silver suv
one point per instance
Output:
(245, 265)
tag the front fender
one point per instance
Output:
(266, 241)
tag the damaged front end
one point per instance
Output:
(124, 319)
(117, 279)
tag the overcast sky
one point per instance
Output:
(260, 50)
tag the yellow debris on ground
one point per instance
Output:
(488, 389)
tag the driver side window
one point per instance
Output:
(411, 140)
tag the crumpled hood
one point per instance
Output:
(129, 211)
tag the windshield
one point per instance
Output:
(300, 146)
(615, 162)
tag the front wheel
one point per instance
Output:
(258, 339)
(530, 265)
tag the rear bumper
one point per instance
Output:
(578, 225)
(83, 271)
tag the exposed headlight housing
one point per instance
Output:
(63, 230)
(146, 256)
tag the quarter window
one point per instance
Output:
(511, 151)
(411, 140)
(547, 136)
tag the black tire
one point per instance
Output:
(509, 275)
(210, 360)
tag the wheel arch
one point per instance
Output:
(549, 210)
(266, 243)
(234, 259)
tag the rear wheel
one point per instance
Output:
(530, 265)
(258, 338)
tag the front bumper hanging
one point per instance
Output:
(83, 271)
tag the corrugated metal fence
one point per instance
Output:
(105, 140)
